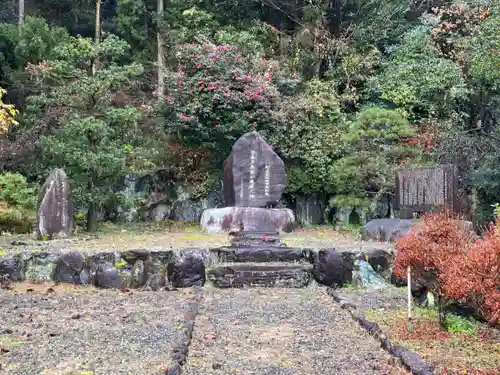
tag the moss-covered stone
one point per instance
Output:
(13, 266)
(40, 266)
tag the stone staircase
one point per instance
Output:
(260, 259)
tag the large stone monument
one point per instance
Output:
(254, 179)
(254, 175)
(55, 211)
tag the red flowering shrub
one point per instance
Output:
(475, 276)
(215, 94)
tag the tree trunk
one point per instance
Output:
(441, 312)
(97, 21)
(92, 210)
(160, 58)
(20, 18)
(92, 218)
(97, 38)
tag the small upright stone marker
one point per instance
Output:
(254, 175)
(55, 212)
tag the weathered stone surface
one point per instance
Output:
(250, 219)
(420, 190)
(106, 270)
(40, 266)
(240, 275)
(255, 235)
(130, 267)
(186, 211)
(156, 281)
(13, 267)
(363, 275)
(390, 230)
(108, 276)
(251, 239)
(310, 209)
(69, 268)
(381, 259)
(186, 269)
(254, 175)
(55, 211)
(156, 268)
(334, 267)
(261, 254)
(387, 230)
(109, 269)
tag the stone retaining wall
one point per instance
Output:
(156, 269)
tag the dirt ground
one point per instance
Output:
(68, 330)
(135, 236)
(50, 329)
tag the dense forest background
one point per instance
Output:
(345, 91)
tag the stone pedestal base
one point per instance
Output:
(249, 219)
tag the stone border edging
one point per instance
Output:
(181, 350)
(161, 268)
(411, 360)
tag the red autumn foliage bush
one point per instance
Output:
(475, 276)
(436, 242)
(443, 255)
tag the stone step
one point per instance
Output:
(287, 275)
(248, 239)
(262, 254)
(256, 242)
(254, 235)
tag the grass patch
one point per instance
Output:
(466, 345)
(353, 286)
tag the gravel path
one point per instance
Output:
(281, 332)
(389, 298)
(69, 330)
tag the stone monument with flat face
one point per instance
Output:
(55, 211)
(254, 175)
(254, 180)
(420, 190)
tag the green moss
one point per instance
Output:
(86, 259)
(164, 269)
(352, 286)
(121, 264)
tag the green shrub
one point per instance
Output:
(17, 203)
(13, 220)
(14, 191)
